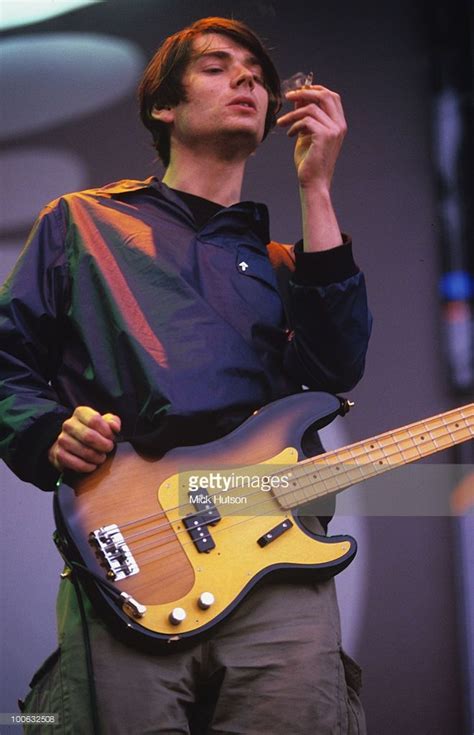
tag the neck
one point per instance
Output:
(206, 175)
(328, 474)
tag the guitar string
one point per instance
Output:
(166, 523)
(172, 536)
(171, 573)
(300, 468)
(461, 425)
(319, 461)
(164, 554)
(173, 553)
(216, 531)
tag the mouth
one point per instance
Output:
(243, 102)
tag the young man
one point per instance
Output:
(154, 307)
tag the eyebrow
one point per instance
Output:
(249, 60)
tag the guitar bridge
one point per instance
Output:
(113, 552)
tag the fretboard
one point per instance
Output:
(334, 471)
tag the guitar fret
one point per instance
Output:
(299, 495)
(433, 439)
(415, 440)
(357, 467)
(448, 428)
(339, 469)
(354, 471)
(384, 453)
(469, 428)
(350, 462)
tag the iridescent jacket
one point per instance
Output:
(121, 302)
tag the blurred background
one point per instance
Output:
(403, 189)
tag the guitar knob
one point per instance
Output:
(206, 599)
(177, 615)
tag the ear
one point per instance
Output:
(163, 114)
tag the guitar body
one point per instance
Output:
(189, 549)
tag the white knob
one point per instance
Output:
(206, 599)
(177, 615)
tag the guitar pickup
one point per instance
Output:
(274, 533)
(202, 502)
(196, 526)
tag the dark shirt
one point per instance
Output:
(201, 209)
(122, 302)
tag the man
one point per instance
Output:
(153, 307)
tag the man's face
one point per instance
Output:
(226, 100)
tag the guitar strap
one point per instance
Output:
(96, 729)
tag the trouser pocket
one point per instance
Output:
(46, 697)
(356, 724)
(352, 672)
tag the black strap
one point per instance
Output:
(88, 654)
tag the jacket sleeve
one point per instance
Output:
(330, 323)
(32, 302)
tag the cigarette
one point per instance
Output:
(300, 80)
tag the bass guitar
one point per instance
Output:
(168, 547)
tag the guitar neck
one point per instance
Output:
(334, 471)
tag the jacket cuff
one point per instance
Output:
(32, 463)
(325, 266)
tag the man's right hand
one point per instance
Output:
(85, 440)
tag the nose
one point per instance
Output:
(244, 77)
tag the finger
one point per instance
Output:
(332, 115)
(309, 126)
(93, 420)
(62, 460)
(301, 127)
(307, 111)
(325, 98)
(88, 435)
(318, 123)
(113, 421)
(310, 92)
(70, 445)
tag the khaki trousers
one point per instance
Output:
(275, 666)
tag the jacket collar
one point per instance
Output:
(245, 215)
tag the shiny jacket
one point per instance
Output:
(120, 302)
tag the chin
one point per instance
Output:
(242, 136)
(238, 145)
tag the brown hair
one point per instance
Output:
(161, 84)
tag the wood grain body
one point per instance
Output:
(147, 499)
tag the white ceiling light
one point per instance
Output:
(23, 12)
(49, 79)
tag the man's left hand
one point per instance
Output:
(318, 121)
